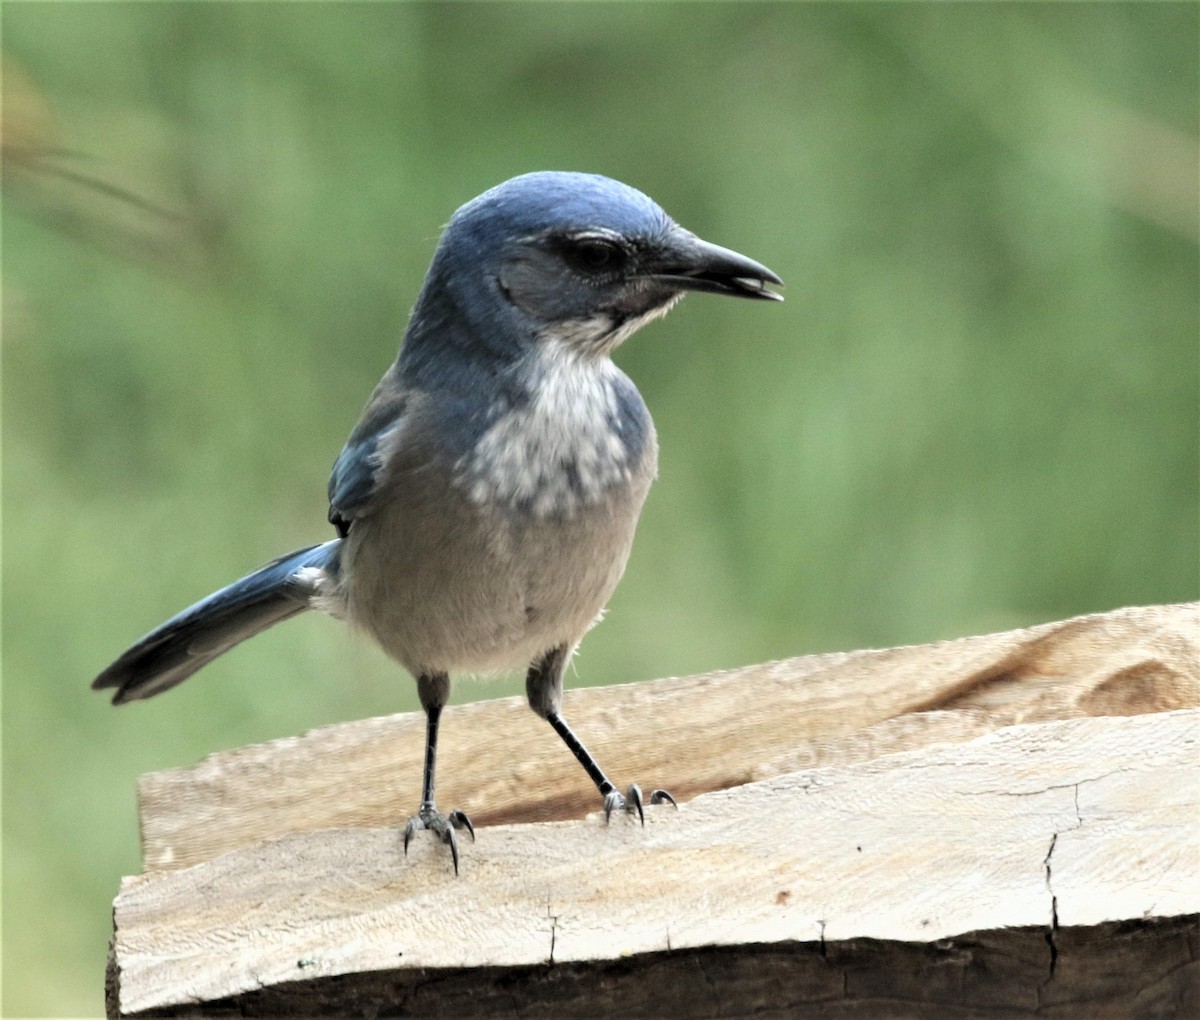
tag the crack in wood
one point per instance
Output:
(553, 931)
(1052, 931)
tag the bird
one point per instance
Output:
(485, 503)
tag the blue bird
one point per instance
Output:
(485, 503)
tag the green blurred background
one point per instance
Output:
(977, 409)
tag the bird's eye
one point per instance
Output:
(595, 254)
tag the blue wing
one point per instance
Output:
(358, 468)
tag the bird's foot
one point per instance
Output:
(441, 825)
(632, 802)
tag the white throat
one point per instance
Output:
(560, 451)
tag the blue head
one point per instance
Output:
(565, 257)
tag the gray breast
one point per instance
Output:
(487, 560)
(582, 433)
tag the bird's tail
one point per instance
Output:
(172, 652)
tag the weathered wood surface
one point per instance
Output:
(839, 891)
(693, 735)
(1114, 971)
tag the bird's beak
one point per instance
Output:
(687, 262)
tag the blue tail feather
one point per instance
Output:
(175, 650)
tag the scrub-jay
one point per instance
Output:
(485, 502)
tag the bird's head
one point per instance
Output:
(575, 258)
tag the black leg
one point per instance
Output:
(434, 690)
(582, 755)
(543, 686)
(432, 717)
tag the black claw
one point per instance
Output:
(633, 802)
(440, 825)
(460, 820)
(662, 797)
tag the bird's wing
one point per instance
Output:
(357, 473)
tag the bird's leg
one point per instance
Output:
(543, 686)
(434, 691)
(630, 801)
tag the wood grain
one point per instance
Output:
(1080, 835)
(692, 735)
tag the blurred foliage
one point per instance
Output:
(977, 409)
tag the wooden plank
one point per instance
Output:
(1117, 971)
(692, 735)
(1056, 829)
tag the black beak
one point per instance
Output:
(689, 263)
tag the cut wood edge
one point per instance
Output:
(1066, 825)
(1108, 971)
(709, 734)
